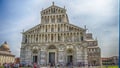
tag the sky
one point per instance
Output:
(100, 16)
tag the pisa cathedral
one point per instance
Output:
(55, 40)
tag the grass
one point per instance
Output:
(1, 67)
(110, 67)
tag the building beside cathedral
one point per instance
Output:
(55, 40)
(5, 54)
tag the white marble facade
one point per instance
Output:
(54, 40)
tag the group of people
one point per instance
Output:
(17, 65)
(11, 65)
(35, 65)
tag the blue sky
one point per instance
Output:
(100, 17)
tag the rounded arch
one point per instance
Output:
(35, 49)
(70, 51)
(70, 56)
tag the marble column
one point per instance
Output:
(85, 57)
(61, 55)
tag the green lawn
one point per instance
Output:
(110, 67)
(1, 66)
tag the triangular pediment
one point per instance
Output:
(40, 28)
(53, 9)
(75, 28)
(35, 29)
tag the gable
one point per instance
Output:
(51, 27)
(53, 9)
(33, 30)
(75, 28)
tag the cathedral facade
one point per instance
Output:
(55, 40)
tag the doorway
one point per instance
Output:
(69, 59)
(35, 58)
(52, 58)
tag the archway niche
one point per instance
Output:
(35, 50)
(52, 55)
(70, 56)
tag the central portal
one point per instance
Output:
(35, 59)
(69, 59)
(52, 58)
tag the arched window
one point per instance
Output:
(81, 38)
(51, 37)
(25, 39)
(59, 11)
(49, 10)
(56, 11)
(53, 20)
(62, 11)
(58, 29)
(59, 20)
(36, 38)
(59, 38)
(47, 20)
(45, 37)
(53, 10)
(46, 12)
(52, 29)
(46, 30)
(70, 28)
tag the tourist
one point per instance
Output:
(55, 65)
(5, 65)
(11, 65)
(35, 65)
(17, 65)
(48, 65)
(8, 65)
(38, 65)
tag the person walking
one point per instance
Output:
(6, 65)
(38, 65)
(35, 65)
(55, 65)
